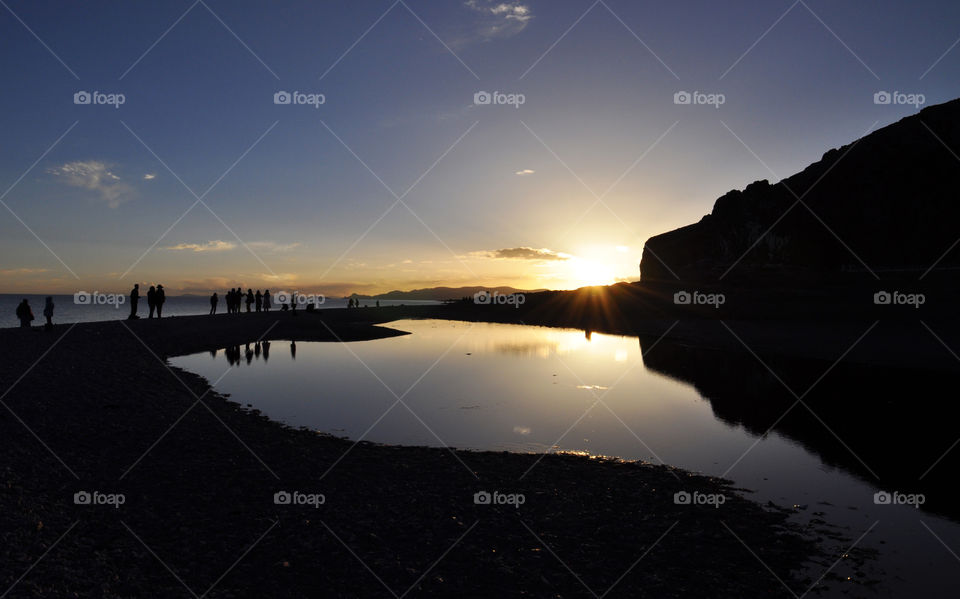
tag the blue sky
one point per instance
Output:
(296, 191)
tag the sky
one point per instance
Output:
(529, 143)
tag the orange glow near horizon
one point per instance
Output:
(588, 265)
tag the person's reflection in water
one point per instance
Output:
(256, 349)
(266, 351)
(293, 350)
(213, 353)
(587, 334)
(249, 353)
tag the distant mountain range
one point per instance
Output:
(444, 293)
(887, 201)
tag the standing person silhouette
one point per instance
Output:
(213, 303)
(134, 300)
(161, 297)
(151, 300)
(259, 299)
(25, 314)
(48, 313)
(266, 301)
(250, 299)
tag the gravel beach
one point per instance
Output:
(124, 477)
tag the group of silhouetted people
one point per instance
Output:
(156, 296)
(235, 298)
(25, 313)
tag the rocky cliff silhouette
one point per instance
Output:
(890, 198)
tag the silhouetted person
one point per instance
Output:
(266, 301)
(293, 302)
(25, 314)
(250, 299)
(237, 300)
(161, 297)
(214, 300)
(134, 300)
(259, 300)
(293, 350)
(378, 303)
(151, 300)
(48, 313)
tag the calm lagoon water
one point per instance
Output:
(535, 389)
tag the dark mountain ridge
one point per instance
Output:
(889, 198)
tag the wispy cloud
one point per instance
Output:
(149, 176)
(500, 19)
(273, 246)
(95, 176)
(522, 253)
(209, 246)
(22, 271)
(524, 172)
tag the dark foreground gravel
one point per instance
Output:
(94, 409)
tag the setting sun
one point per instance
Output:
(583, 273)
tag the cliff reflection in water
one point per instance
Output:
(892, 428)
